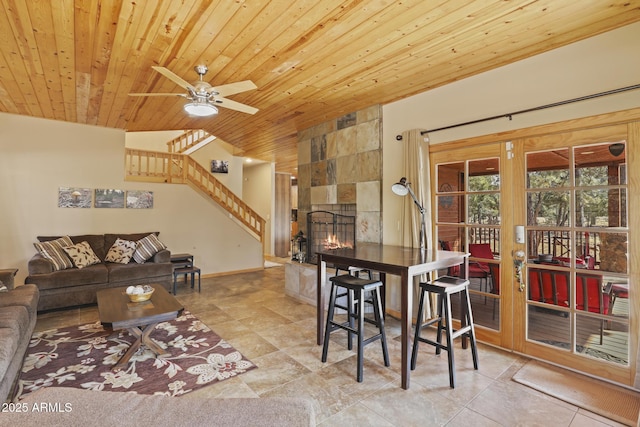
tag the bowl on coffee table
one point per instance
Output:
(139, 293)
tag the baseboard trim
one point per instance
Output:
(229, 273)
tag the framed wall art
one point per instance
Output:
(139, 199)
(219, 166)
(74, 197)
(109, 198)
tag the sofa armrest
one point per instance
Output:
(162, 256)
(6, 277)
(39, 265)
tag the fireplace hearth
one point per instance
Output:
(329, 230)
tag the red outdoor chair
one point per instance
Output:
(552, 287)
(549, 286)
(618, 290)
(480, 269)
(451, 271)
(590, 297)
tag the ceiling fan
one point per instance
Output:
(203, 99)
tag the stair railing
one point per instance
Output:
(154, 166)
(187, 140)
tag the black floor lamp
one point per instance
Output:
(402, 188)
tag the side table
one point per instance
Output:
(183, 265)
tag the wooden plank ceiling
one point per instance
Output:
(76, 60)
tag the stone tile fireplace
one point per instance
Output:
(339, 171)
(340, 167)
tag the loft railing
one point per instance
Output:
(187, 140)
(154, 166)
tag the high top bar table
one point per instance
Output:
(386, 259)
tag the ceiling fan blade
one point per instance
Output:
(174, 78)
(233, 105)
(158, 94)
(233, 88)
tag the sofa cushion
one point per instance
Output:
(16, 318)
(94, 274)
(96, 241)
(9, 341)
(25, 296)
(147, 247)
(82, 255)
(121, 251)
(54, 252)
(110, 239)
(133, 271)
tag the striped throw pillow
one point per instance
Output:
(147, 247)
(54, 252)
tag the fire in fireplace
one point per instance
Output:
(329, 230)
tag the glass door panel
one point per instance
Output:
(468, 218)
(576, 250)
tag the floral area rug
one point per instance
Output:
(83, 357)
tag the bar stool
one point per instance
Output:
(355, 271)
(356, 289)
(444, 287)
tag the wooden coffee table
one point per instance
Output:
(138, 318)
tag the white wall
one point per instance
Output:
(154, 141)
(259, 193)
(39, 156)
(602, 63)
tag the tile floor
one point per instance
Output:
(277, 333)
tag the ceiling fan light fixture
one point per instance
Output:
(200, 108)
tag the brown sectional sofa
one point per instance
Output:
(73, 287)
(18, 312)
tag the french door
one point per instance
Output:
(473, 213)
(547, 221)
(573, 203)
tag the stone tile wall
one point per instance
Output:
(339, 163)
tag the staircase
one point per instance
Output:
(178, 168)
(189, 141)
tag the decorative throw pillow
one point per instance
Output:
(54, 252)
(82, 255)
(147, 247)
(121, 251)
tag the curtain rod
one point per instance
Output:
(528, 110)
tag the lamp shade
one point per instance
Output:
(400, 188)
(200, 108)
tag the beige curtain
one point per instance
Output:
(417, 171)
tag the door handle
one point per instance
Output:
(518, 263)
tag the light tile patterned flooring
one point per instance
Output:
(277, 333)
